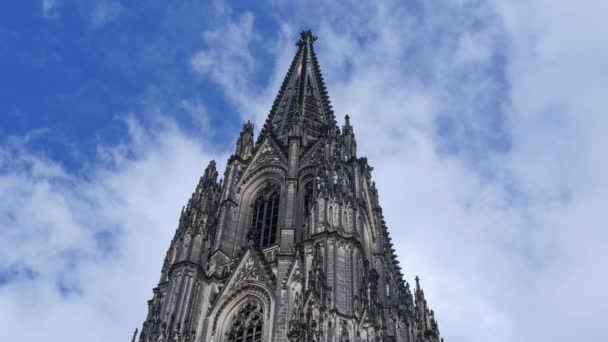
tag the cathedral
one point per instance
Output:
(291, 245)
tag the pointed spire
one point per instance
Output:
(348, 137)
(419, 296)
(134, 335)
(306, 37)
(211, 171)
(347, 125)
(244, 144)
(302, 99)
(202, 202)
(207, 185)
(424, 315)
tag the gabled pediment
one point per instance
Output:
(314, 155)
(267, 153)
(251, 268)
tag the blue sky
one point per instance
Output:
(88, 64)
(484, 122)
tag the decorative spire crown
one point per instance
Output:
(247, 128)
(302, 105)
(306, 37)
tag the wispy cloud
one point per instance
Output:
(227, 57)
(483, 130)
(82, 237)
(484, 122)
(50, 9)
(104, 12)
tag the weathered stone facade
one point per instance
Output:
(292, 245)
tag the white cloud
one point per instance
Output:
(508, 241)
(100, 236)
(501, 256)
(501, 215)
(50, 9)
(228, 61)
(197, 112)
(104, 12)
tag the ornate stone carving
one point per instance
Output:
(328, 272)
(344, 335)
(250, 271)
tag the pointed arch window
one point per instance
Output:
(247, 324)
(266, 215)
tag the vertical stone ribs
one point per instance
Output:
(302, 99)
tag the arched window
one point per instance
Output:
(247, 323)
(266, 215)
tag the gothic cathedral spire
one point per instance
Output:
(302, 104)
(292, 244)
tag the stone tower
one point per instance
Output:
(292, 245)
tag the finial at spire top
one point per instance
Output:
(306, 36)
(210, 167)
(248, 126)
(210, 173)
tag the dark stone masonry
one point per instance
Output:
(291, 245)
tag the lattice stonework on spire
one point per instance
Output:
(291, 245)
(302, 99)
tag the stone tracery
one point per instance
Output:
(247, 323)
